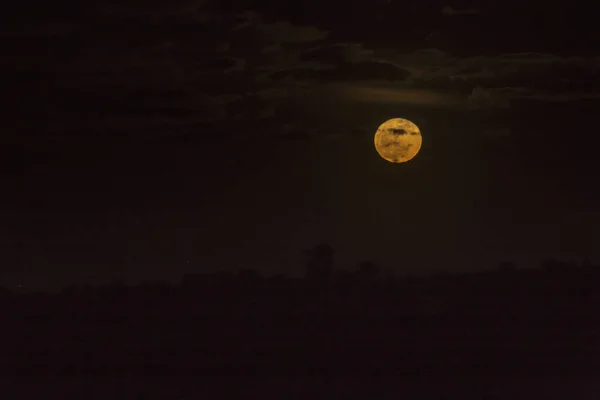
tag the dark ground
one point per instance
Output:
(517, 334)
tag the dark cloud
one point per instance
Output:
(183, 63)
(339, 62)
(397, 131)
(338, 53)
(528, 93)
(449, 11)
(481, 98)
(151, 7)
(215, 64)
(544, 74)
(252, 23)
(285, 32)
(387, 93)
(371, 71)
(432, 64)
(131, 70)
(347, 72)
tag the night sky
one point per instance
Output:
(144, 140)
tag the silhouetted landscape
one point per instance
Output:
(361, 334)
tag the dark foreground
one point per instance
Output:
(507, 334)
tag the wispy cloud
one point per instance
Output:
(481, 98)
(484, 77)
(385, 94)
(541, 95)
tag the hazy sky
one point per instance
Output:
(149, 139)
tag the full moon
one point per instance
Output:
(398, 140)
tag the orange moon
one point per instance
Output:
(398, 140)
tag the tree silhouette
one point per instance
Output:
(506, 267)
(478, 325)
(368, 271)
(320, 263)
(553, 266)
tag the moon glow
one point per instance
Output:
(398, 140)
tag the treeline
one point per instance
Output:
(329, 324)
